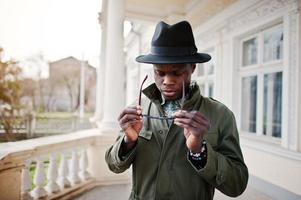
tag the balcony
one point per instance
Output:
(57, 167)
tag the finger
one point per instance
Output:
(195, 115)
(184, 113)
(190, 130)
(135, 122)
(199, 114)
(202, 120)
(183, 125)
(129, 117)
(190, 117)
(188, 121)
(130, 110)
(192, 125)
(130, 124)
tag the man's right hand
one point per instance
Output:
(130, 120)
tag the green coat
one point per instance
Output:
(161, 169)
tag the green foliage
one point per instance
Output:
(10, 92)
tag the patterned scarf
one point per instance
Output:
(170, 107)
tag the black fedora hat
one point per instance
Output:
(173, 44)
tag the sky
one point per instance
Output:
(52, 28)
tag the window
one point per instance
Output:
(272, 104)
(273, 44)
(250, 52)
(248, 107)
(205, 75)
(261, 82)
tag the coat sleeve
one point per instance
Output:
(225, 168)
(116, 160)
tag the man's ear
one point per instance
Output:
(193, 67)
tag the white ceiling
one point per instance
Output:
(196, 11)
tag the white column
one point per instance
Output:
(114, 93)
(101, 68)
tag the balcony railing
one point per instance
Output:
(56, 167)
(42, 125)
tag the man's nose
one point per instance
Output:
(168, 80)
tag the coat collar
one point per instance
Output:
(154, 94)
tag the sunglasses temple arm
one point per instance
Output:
(153, 117)
(140, 92)
(183, 95)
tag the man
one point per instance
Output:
(180, 144)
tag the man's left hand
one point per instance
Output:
(195, 127)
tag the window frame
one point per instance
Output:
(260, 70)
(207, 79)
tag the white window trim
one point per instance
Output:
(268, 145)
(259, 71)
(206, 79)
(240, 47)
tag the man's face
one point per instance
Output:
(169, 79)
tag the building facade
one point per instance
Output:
(255, 71)
(65, 79)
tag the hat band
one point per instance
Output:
(173, 51)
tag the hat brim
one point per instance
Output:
(155, 59)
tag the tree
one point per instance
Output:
(10, 93)
(40, 90)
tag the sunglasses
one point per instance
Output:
(163, 117)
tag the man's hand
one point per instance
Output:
(195, 127)
(130, 120)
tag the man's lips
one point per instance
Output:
(169, 92)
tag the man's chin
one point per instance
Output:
(170, 97)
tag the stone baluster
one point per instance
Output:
(74, 168)
(26, 182)
(39, 179)
(84, 174)
(52, 186)
(63, 172)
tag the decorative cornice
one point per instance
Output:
(250, 15)
(264, 8)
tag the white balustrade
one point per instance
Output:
(83, 164)
(74, 168)
(39, 179)
(52, 186)
(26, 182)
(63, 172)
(65, 175)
